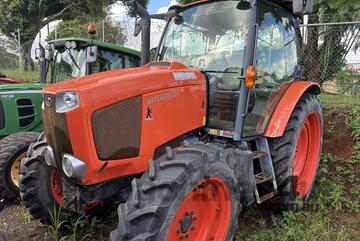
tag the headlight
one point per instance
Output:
(73, 167)
(65, 102)
(67, 166)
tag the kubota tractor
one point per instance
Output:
(221, 120)
(20, 104)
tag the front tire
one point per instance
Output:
(13, 149)
(192, 194)
(40, 185)
(296, 154)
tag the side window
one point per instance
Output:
(291, 47)
(270, 55)
(275, 61)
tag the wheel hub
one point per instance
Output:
(15, 169)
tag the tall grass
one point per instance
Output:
(31, 77)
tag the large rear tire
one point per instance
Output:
(192, 194)
(296, 154)
(13, 149)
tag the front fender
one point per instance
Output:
(281, 115)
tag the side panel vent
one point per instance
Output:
(26, 112)
(2, 116)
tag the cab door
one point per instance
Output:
(276, 60)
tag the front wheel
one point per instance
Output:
(13, 149)
(296, 154)
(192, 194)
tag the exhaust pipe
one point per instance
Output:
(144, 25)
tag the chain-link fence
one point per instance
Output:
(331, 52)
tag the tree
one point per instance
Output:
(129, 4)
(78, 28)
(30, 16)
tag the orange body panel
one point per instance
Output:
(286, 105)
(182, 109)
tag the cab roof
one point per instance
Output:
(86, 41)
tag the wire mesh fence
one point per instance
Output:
(330, 53)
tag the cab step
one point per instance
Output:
(267, 175)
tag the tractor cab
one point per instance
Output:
(222, 39)
(71, 58)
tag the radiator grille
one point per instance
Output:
(26, 112)
(117, 130)
(56, 130)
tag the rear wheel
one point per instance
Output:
(190, 195)
(296, 154)
(13, 149)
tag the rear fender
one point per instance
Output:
(283, 110)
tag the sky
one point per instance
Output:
(118, 12)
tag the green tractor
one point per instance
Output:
(20, 104)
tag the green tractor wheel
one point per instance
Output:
(13, 149)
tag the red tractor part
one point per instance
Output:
(10, 81)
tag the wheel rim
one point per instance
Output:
(56, 187)
(307, 155)
(204, 214)
(15, 169)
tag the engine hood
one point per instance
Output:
(130, 82)
(22, 87)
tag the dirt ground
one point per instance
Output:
(16, 223)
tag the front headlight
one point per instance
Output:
(65, 102)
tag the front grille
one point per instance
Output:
(56, 130)
(26, 112)
(2, 116)
(117, 130)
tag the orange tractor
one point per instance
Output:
(221, 120)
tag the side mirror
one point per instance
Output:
(137, 29)
(49, 53)
(91, 54)
(37, 53)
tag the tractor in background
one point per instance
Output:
(221, 120)
(20, 104)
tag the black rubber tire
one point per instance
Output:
(11, 147)
(283, 151)
(36, 188)
(35, 183)
(157, 195)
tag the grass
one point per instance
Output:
(335, 100)
(28, 76)
(333, 212)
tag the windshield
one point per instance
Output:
(69, 64)
(209, 37)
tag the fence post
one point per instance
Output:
(103, 30)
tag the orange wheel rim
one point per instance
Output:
(307, 155)
(204, 214)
